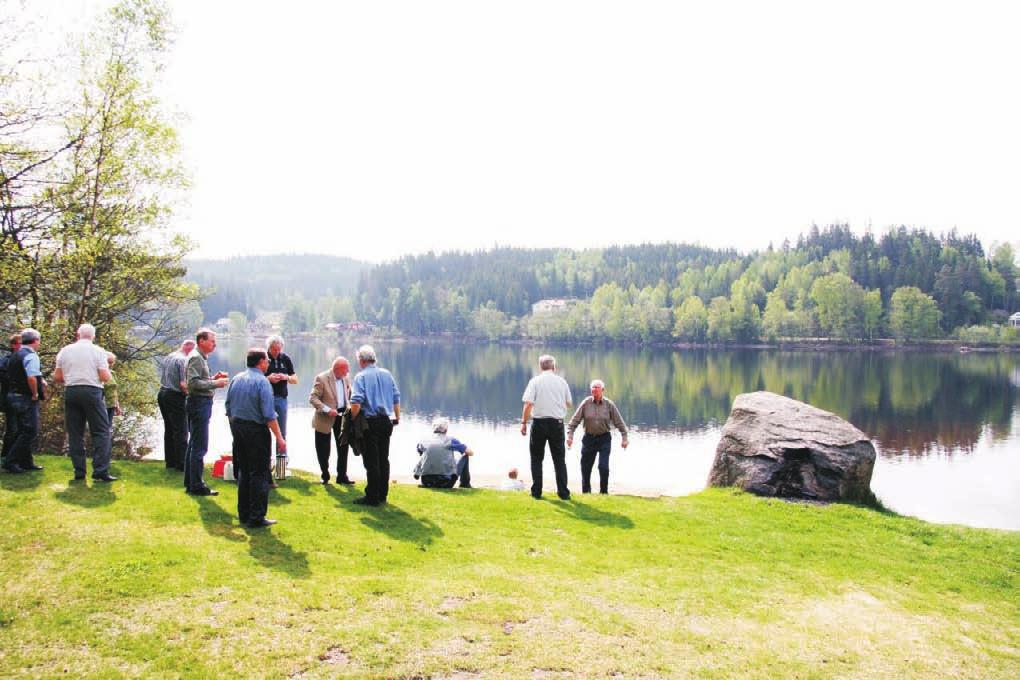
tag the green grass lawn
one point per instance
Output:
(138, 579)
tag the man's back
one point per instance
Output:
(550, 394)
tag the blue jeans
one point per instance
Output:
(199, 412)
(590, 445)
(85, 405)
(26, 413)
(280, 406)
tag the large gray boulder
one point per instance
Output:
(776, 446)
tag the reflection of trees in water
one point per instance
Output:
(907, 401)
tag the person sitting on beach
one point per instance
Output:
(436, 468)
(511, 483)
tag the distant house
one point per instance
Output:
(553, 305)
(332, 326)
(1014, 320)
(355, 327)
(222, 324)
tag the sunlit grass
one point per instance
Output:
(138, 579)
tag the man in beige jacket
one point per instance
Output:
(331, 399)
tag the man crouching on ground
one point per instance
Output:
(252, 415)
(436, 467)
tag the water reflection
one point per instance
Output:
(943, 408)
(910, 402)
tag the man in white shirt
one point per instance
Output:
(83, 368)
(547, 400)
(331, 399)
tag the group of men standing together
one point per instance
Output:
(83, 368)
(358, 413)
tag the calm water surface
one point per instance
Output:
(945, 425)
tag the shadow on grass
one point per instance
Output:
(387, 519)
(587, 513)
(78, 493)
(23, 481)
(274, 554)
(215, 520)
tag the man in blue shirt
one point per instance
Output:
(375, 396)
(437, 467)
(26, 388)
(252, 415)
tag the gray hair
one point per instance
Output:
(440, 425)
(87, 331)
(274, 340)
(189, 341)
(597, 383)
(29, 335)
(366, 353)
(546, 362)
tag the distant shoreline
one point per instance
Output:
(806, 345)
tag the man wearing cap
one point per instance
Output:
(252, 415)
(599, 415)
(546, 400)
(83, 368)
(25, 388)
(10, 416)
(375, 396)
(173, 392)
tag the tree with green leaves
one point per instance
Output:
(913, 315)
(98, 250)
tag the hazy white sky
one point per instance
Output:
(376, 129)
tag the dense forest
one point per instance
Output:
(908, 283)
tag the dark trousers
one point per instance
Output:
(548, 430)
(199, 410)
(10, 429)
(251, 450)
(448, 481)
(342, 448)
(26, 419)
(83, 405)
(375, 454)
(599, 444)
(175, 427)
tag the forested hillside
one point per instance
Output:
(906, 283)
(254, 284)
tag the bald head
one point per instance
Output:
(341, 367)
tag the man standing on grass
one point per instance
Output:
(546, 400)
(252, 417)
(331, 399)
(201, 387)
(10, 416)
(599, 415)
(376, 394)
(26, 388)
(83, 369)
(173, 392)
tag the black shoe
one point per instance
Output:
(14, 469)
(564, 497)
(204, 491)
(345, 482)
(324, 482)
(466, 486)
(105, 478)
(78, 478)
(33, 467)
(537, 496)
(364, 500)
(258, 524)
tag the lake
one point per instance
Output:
(945, 424)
